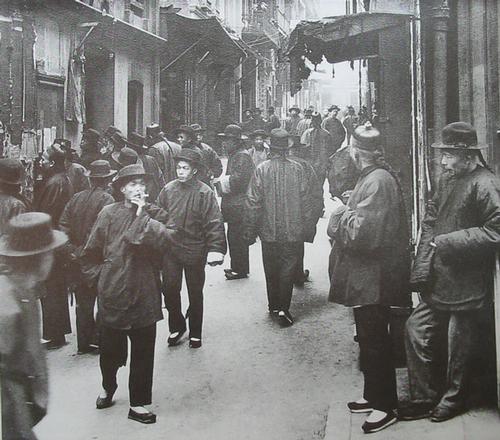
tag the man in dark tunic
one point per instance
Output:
(56, 192)
(293, 120)
(194, 213)
(75, 171)
(210, 157)
(123, 257)
(76, 221)
(333, 126)
(281, 213)
(233, 189)
(90, 146)
(11, 201)
(162, 150)
(156, 180)
(272, 120)
(370, 270)
(453, 271)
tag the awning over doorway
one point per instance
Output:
(342, 38)
(186, 34)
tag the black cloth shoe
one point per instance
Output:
(54, 344)
(300, 280)
(414, 411)
(441, 414)
(146, 418)
(173, 341)
(356, 407)
(285, 318)
(105, 402)
(389, 419)
(235, 276)
(194, 343)
(88, 350)
(228, 270)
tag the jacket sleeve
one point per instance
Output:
(362, 229)
(213, 224)
(92, 256)
(65, 223)
(215, 163)
(254, 206)
(309, 204)
(241, 172)
(473, 241)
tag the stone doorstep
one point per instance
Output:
(476, 424)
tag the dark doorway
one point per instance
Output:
(135, 106)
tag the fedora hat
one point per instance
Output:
(92, 135)
(30, 234)
(126, 156)
(294, 107)
(128, 173)
(137, 142)
(308, 112)
(334, 107)
(153, 130)
(459, 136)
(11, 171)
(111, 130)
(189, 155)
(197, 128)
(100, 168)
(185, 129)
(118, 140)
(259, 132)
(366, 137)
(280, 139)
(233, 131)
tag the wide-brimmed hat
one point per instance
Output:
(118, 140)
(248, 110)
(459, 136)
(316, 116)
(92, 135)
(137, 141)
(111, 130)
(189, 155)
(333, 107)
(11, 172)
(100, 168)
(308, 112)
(366, 137)
(185, 129)
(153, 130)
(257, 109)
(128, 173)
(197, 128)
(270, 109)
(233, 131)
(281, 139)
(294, 107)
(125, 157)
(30, 234)
(258, 132)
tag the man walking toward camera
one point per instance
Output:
(453, 271)
(194, 213)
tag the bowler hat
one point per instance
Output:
(270, 109)
(280, 139)
(137, 142)
(118, 140)
(233, 131)
(153, 130)
(100, 168)
(248, 110)
(316, 116)
(92, 135)
(11, 171)
(294, 107)
(185, 129)
(197, 128)
(459, 136)
(260, 132)
(126, 156)
(128, 173)
(308, 112)
(334, 107)
(257, 110)
(30, 234)
(111, 130)
(366, 137)
(189, 155)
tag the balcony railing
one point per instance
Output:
(263, 25)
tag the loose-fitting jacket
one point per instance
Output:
(193, 211)
(291, 125)
(123, 254)
(77, 177)
(259, 156)
(211, 160)
(240, 168)
(303, 125)
(164, 153)
(342, 172)
(10, 206)
(463, 220)
(337, 131)
(370, 253)
(156, 180)
(54, 196)
(23, 365)
(280, 208)
(321, 148)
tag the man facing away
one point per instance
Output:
(280, 212)
(333, 126)
(293, 120)
(194, 213)
(162, 150)
(76, 221)
(122, 257)
(370, 271)
(209, 156)
(453, 271)
(11, 201)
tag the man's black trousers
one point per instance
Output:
(86, 329)
(376, 358)
(238, 248)
(113, 355)
(172, 284)
(280, 265)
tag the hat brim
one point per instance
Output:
(243, 137)
(442, 146)
(111, 173)
(116, 181)
(59, 239)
